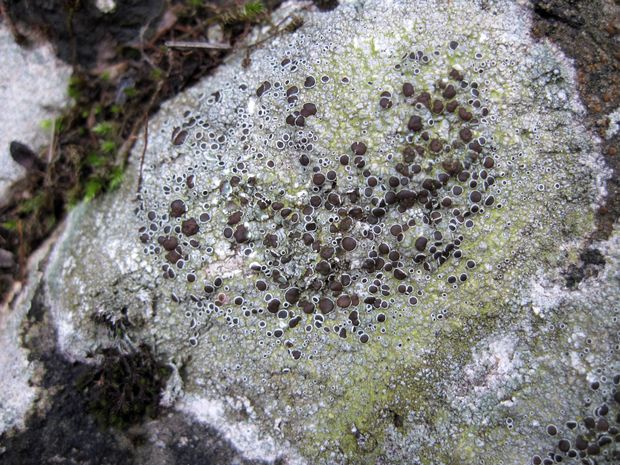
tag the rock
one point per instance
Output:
(17, 392)
(467, 352)
(7, 260)
(34, 90)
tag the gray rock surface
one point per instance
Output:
(254, 247)
(33, 89)
(16, 393)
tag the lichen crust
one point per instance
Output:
(343, 228)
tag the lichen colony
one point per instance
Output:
(339, 229)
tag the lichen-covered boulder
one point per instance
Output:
(352, 248)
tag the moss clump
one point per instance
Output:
(125, 388)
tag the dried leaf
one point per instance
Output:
(24, 155)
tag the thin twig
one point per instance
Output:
(197, 44)
(20, 38)
(125, 150)
(143, 30)
(47, 179)
(278, 28)
(144, 145)
(50, 152)
(21, 260)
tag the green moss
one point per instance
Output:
(92, 188)
(75, 87)
(104, 128)
(116, 178)
(33, 204)
(251, 11)
(108, 146)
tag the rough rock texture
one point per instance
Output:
(33, 88)
(367, 246)
(589, 32)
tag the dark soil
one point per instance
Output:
(81, 32)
